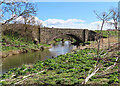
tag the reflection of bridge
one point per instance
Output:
(80, 35)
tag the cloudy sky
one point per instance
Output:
(73, 14)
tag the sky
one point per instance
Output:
(74, 0)
(75, 14)
(78, 15)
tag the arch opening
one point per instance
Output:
(70, 37)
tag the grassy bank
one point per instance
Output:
(12, 42)
(69, 69)
(105, 33)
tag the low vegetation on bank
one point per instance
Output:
(69, 69)
(13, 43)
(16, 45)
(107, 33)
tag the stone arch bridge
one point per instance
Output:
(80, 35)
(45, 34)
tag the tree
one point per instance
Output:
(12, 9)
(104, 17)
(115, 17)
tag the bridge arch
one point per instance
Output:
(78, 39)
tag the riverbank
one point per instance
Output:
(69, 69)
(5, 54)
(12, 45)
(72, 68)
(15, 61)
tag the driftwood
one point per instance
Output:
(89, 76)
(108, 69)
(112, 65)
(12, 76)
(14, 45)
(105, 74)
(26, 77)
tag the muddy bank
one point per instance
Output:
(15, 52)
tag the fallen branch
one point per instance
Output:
(112, 65)
(106, 74)
(25, 77)
(89, 76)
(11, 76)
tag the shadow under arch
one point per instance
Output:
(78, 39)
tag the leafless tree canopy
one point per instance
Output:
(104, 18)
(115, 17)
(12, 9)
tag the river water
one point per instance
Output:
(32, 57)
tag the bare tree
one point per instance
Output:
(115, 17)
(12, 9)
(104, 17)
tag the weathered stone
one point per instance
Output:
(34, 50)
(36, 41)
(24, 50)
(14, 52)
(80, 35)
(41, 48)
(45, 35)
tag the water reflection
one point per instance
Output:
(32, 57)
(61, 48)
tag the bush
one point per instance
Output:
(3, 82)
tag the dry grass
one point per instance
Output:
(103, 43)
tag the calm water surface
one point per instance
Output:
(32, 57)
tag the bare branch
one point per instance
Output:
(89, 76)
(106, 17)
(98, 15)
(17, 8)
(115, 17)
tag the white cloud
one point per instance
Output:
(60, 21)
(32, 20)
(75, 24)
(107, 25)
(20, 19)
(96, 23)
(74, 21)
(70, 23)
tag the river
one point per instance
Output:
(32, 57)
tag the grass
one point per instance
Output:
(69, 69)
(105, 33)
(12, 42)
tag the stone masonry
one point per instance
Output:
(45, 35)
(81, 35)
